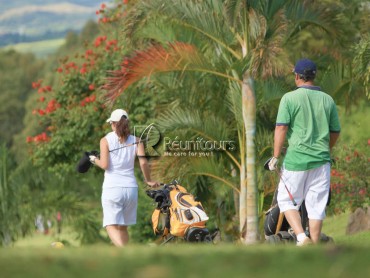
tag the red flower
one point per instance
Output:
(125, 1)
(91, 87)
(41, 137)
(36, 85)
(29, 139)
(97, 42)
(52, 106)
(83, 70)
(42, 99)
(60, 70)
(362, 191)
(103, 6)
(92, 98)
(97, 12)
(88, 53)
(112, 42)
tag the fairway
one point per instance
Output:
(34, 257)
(187, 261)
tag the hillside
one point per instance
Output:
(34, 20)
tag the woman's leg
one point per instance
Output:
(118, 235)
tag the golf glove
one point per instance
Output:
(92, 158)
(273, 163)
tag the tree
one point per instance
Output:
(17, 71)
(240, 41)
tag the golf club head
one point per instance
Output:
(266, 165)
(84, 164)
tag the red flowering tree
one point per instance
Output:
(350, 181)
(71, 113)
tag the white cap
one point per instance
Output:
(117, 115)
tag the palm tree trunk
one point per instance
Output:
(242, 200)
(248, 192)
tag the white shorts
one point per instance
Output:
(119, 205)
(312, 186)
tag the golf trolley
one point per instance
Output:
(277, 229)
(178, 215)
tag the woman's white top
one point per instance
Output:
(120, 172)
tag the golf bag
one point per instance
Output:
(277, 229)
(178, 214)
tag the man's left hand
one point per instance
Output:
(271, 164)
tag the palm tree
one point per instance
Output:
(238, 41)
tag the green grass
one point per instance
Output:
(40, 48)
(34, 257)
(355, 125)
(39, 240)
(187, 261)
(335, 226)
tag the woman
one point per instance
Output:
(118, 150)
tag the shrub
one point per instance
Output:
(350, 180)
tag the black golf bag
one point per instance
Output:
(178, 215)
(277, 229)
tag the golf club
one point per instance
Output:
(266, 166)
(129, 145)
(290, 195)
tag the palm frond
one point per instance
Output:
(315, 16)
(183, 118)
(271, 90)
(361, 62)
(268, 56)
(215, 169)
(176, 56)
(203, 19)
(199, 128)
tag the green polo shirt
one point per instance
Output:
(311, 115)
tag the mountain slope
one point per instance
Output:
(24, 21)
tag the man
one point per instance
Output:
(309, 119)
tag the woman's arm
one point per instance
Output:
(144, 165)
(103, 161)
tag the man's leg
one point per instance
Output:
(317, 199)
(294, 181)
(315, 230)
(294, 220)
(118, 235)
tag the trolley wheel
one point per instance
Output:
(274, 239)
